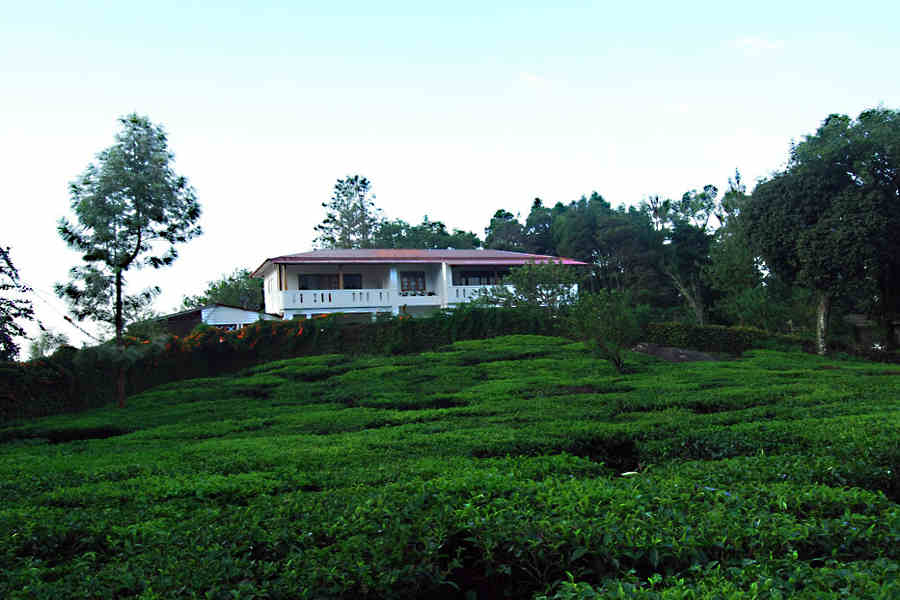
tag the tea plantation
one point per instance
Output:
(516, 467)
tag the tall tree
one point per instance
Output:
(504, 232)
(829, 220)
(131, 210)
(685, 226)
(734, 270)
(574, 229)
(352, 217)
(627, 256)
(237, 288)
(538, 237)
(13, 306)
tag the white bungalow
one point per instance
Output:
(382, 281)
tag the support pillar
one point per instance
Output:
(446, 280)
(394, 287)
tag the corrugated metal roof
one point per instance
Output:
(382, 255)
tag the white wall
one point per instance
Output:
(270, 291)
(225, 315)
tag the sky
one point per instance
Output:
(451, 110)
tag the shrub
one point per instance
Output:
(608, 322)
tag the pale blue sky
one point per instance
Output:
(452, 111)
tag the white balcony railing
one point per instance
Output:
(467, 293)
(336, 300)
(313, 299)
(415, 299)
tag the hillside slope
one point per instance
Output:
(513, 467)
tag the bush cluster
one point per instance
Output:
(718, 338)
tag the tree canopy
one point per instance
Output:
(828, 221)
(46, 343)
(237, 288)
(546, 287)
(14, 306)
(504, 232)
(131, 210)
(427, 235)
(352, 217)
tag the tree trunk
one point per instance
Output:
(120, 386)
(889, 307)
(118, 315)
(120, 343)
(692, 297)
(823, 311)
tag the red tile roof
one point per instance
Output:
(376, 256)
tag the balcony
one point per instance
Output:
(372, 300)
(467, 293)
(337, 299)
(417, 299)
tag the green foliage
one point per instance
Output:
(538, 237)
(685, 227)
(543, 287)
(828, 220)
(628, 256)
(717, 338)
(608, 322)
(82, 379)
(148, 329)
(45, 343)
(237, 288)
(518, 467)
(12, 307)
(352, 216)
(428, 235)
(574, 227)
(131, 210)
(504, 232)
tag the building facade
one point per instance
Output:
(372, 281)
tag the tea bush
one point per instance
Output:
(519, 466)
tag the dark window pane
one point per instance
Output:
(352, 281)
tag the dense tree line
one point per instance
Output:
(817, 235)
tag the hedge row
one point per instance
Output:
(73, 380)
(717, 338)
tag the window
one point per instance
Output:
(412, 281)
(479, 277)
(352, 281)
(318, 282)
(330, 281)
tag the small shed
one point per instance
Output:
(216, 315)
